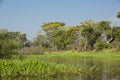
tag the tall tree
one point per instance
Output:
(106, 30)
(7, 44)
(118, 14)
(89, 33)
(52, 31)
(40, 39)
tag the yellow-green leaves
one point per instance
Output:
(52, 25)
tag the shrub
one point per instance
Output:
(7, 48)
(116, 45)
(101, 45)
(32, 50)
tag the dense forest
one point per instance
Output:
(56, 36)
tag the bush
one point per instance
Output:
(101, 45)
(7, 48)
(116, 45)
(32, 50)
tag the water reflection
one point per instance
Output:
(91, 69)
(102, 70)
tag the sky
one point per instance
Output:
(27, 16)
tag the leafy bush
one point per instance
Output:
(101, 45)
(7, 48)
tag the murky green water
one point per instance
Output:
(91, 69)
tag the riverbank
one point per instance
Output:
(104, 54)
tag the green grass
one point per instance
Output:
(105, 54)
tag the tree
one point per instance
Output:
(22, 40)
(7, 45)
(40, 40)
(106, 30)
(3, 30)
(116, 36)
(10, 42)
(72, 35)
(52, 30)
(52, 26)
(118, 14)
(89, 34)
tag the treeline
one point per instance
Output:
(88, 35)
(56, 36)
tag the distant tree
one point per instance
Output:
(10, 42)
(3, 30)
(40, 40)
(72, 37)
(52, 26)
(52, 29)
(106, 30)
(89, 34)
(7, 45)
(116, 36)
(22, 40)
(118, 14)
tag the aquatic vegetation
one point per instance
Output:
(63, 64)
(30, 67)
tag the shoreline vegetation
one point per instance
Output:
(40, 65)
(35, 68)
(104, 54)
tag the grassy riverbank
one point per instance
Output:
(105, 54)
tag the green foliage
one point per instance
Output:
(52, 25)
(7, 48)
(40, 40)
(101, 45)
(34, 67)
(89, 33)
(32, 50)
(103, 25)
(118, 14)
(9, 43)
(116, 45)
(84, 36)
(55, 34)
(116, 33)
(3, 31)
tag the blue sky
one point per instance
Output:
(27, 15)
